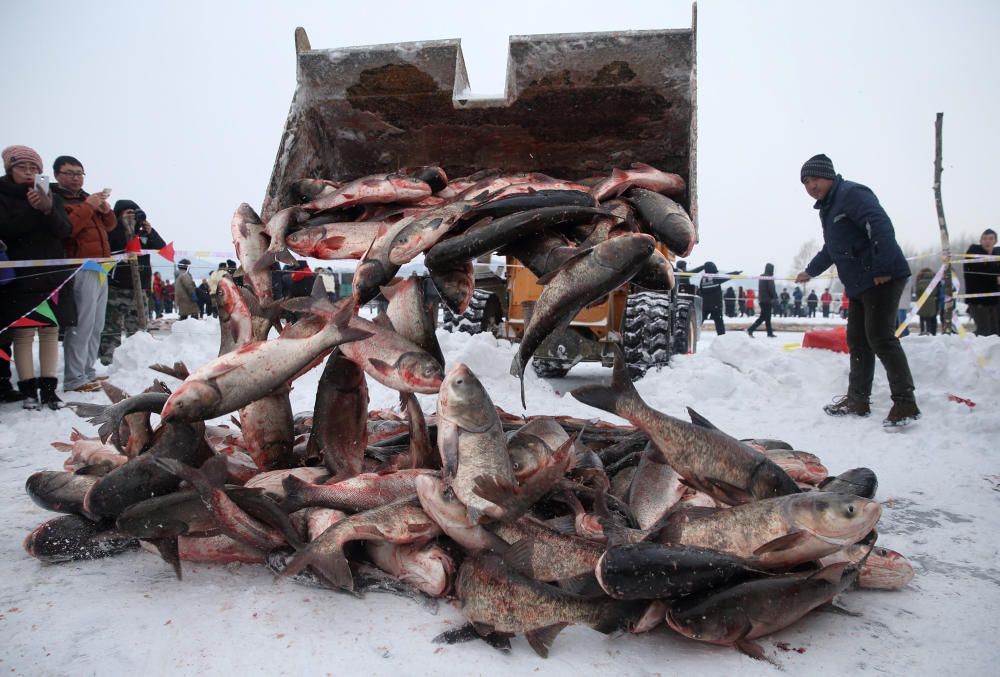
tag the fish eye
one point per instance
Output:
(850, 510)
(459, 381)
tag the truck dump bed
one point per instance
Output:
(576, 105)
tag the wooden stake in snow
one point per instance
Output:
(949, 300)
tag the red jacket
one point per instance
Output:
(826, 299)
(89, 237)
(158, 287)
(751, 297)
(845, 301)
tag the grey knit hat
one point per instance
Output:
(819, 166)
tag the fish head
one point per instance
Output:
(463, 400)
(306, 190)
(306, 239)
(193, 401)
(413, 239)
(886, 569)
(443, 506)
(420, 371)
(835, 518)
(717, 624)
(532, 444)
(368, 277)
(429, 569)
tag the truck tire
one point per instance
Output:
(684, 332)
(546, 368)
(483, 314)
(647, 336)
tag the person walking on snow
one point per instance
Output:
(768, 297)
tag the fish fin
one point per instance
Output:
(519, 555)
(293, 494)
(541, 639)
(236, 422)
(390, 290)
(264, 262)
(504, 494)
(167, 547)
(750, 648)
(285, 256)
(547, 277)
(641, 165)
(655, 454)
(114, 393)
(447, 442)
(334, 569)
(220, 367)
(215, 470)
(785, 542)
(564, 524)
(483, 629)
(614, 397)
(95, 469)
(576, 584)
(474, 514)
(382, 320)
(466, 633)
(832, 608)
(700, 420)
(734, 495)
(380, 366)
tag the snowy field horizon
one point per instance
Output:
(939, 486)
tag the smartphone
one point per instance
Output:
(42, 183)
(107, 193)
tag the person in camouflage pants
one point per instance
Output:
(120, 316)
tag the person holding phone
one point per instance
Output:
(92, 220)
(33, 225)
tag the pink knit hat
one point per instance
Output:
(13, 155)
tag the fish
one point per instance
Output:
(134, 412)
(252, 242)
(266, 424)
(218, 549)
(858, 481)
(420, 230)
(340, 416)
(544, 554)
(277, 229)
(522, 197)
(498, 600)
(753, 609)
(391, 359)
(657, 273)
(580, 281)
(141, 478)
(361, 492)
(441, 504)
(412, 316)
(801, 466)
(432, 175)
(401, 521)
(336, 241)
(72, 538)
(779, 532)
(375, 270)
(667, 220)
(374, 189)
(542, 254)
(656, 571)
(707, 459)
(426, 567)
(881, 568)
(307, 190)
(641, 175)
(235, 318)
(59, 491)
(493, 234)
(234, 380)
(531, 444)
(272, 482)
(470, 440)
(655, 488)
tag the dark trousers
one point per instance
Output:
(826, 310)
(985, 318)
(871, 325)
(765, 319)
(928, 325)
(715, 312)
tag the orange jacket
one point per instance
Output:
(89, 237)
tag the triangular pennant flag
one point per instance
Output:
(55, 296)
(91, 264)
(134, 246)
(107, 267)
(25, 322)
(168, 252)
(45, 310)
(4, 355)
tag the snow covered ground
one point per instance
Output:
(939, 486)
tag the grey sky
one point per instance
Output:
(181, 106)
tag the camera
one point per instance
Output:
(140, 217)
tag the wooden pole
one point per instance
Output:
(949, 301)
(140, 301)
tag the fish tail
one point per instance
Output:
(615, 616)
(614, 398)
(264, 262)
(293, 500)
(335, 569)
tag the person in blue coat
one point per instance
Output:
(859, 239)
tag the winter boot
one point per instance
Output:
(750, 331)
(7, 392)
(29, 389)
(47, 393)
(903, 413)
(848, 405)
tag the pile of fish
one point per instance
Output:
(530, 523)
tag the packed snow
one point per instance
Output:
(939, 484)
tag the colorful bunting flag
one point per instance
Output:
(134, 246)
(45, 310)
(168, 252)
(55, 296)
(4, 355)
(91, 264)
(25, 322)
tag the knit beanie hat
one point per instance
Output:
(122, 205)
(819, 166)
(13, 155)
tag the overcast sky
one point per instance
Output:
(180, 105)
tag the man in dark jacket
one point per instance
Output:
(983, 277)
(121, 313)
(711, 294)
(767, 296)
(811, 302)
(859, 239)
(92, 220)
